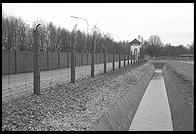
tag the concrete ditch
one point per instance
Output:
(181, 111)
(119, 118)
(153, 112)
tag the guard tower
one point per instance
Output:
(135, 46)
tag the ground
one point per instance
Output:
(70, 106)
(79, 106)
(184, 77)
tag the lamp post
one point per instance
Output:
(87, 35)
(82, 19)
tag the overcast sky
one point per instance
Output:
(172, 22)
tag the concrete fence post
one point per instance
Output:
(131, 58)
(105, 60)
(75, 57)
(58, 59)
(95, 57)
(82, 58)
(87, 57)
(128, 58)
(119, 61)
(124, 59)
(100, 56)
(48, 65)
(92, 59)
(113, 64)
(16, 61)
(68, 59)
(36, 63)
(73, 60)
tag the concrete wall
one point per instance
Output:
(53, 60)
(8, 67)
(119, 117)
(22, 61)
(181, 112)
(109, 57)
(84, 59)
(89, 58)
(43, 61)
(63, 60)
(78, 59)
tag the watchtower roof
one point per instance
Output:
(135, 42)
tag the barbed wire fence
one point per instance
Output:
(54, 74)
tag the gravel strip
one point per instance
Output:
(70, 107)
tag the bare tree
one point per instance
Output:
(155, 44)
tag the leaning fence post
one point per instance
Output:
(36, 62)
(105, 59)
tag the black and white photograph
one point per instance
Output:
(97, 66)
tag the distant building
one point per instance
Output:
(135, 46)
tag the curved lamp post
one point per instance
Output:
(81, 19)
(87, 33)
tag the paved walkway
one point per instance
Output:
(18, 84)
(153, 113)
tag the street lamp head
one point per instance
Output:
(74, 17)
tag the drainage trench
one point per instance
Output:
(153, 113)
(155, 103)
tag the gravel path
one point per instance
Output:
(70, 106)
(153, 113)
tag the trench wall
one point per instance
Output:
(181, 111)
(119, 117)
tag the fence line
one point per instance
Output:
(48, 60)
(36, 61)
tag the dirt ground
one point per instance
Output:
(70, 106)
